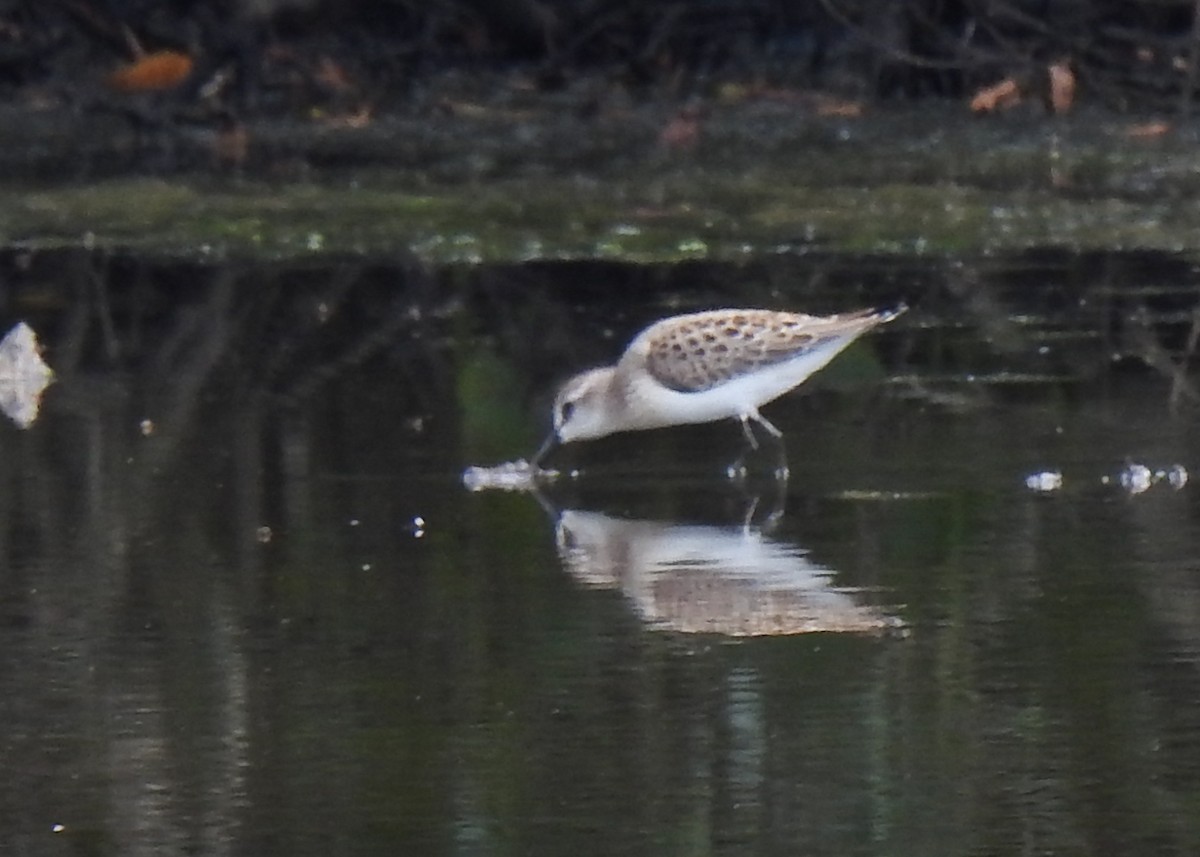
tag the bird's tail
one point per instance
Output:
(886, 315)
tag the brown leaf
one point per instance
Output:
(1148, 130)
(1061, 95)
(153, 72)
(839, 109)
(999, 96)
(359, 118)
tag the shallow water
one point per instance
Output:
(247, 606)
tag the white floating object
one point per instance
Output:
(1177, 476)
(23, 375)
(1046, 481)
(519, 475)
(1136, 478)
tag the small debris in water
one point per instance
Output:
(519, 475)
(146, 427)
(418, 527)
(263, 534)
(865, 494)
(354, 522)
(1044, 482)
(1136, 478)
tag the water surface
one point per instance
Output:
(246, 605)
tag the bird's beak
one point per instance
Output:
(548, 444)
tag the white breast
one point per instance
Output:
(653, 405)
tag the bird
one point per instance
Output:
(702, 367)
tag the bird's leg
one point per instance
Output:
(737, 470)
(772, 520)
(748, 518)
(749, 433)
(781, 467)
(547, 504)
(764, 422)
(548, 444)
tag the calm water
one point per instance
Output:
(247, 607)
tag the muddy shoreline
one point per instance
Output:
(530, 177)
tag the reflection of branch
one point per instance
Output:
(1193, 336)
(995, 318)
(108, 331)
(185, 363)
(404, 312)
(68, 348)
(960, 398)
(1147, 347)
(198, 339)
(340, 284)
(1179, 384)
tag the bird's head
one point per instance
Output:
(583, 407)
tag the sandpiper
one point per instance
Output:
(703, 367)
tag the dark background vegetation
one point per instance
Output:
(253, 57)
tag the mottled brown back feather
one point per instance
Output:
(698, 352)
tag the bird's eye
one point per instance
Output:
(566, 412)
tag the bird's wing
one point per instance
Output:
(698, 352)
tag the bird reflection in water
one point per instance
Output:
(729, 580)
(734, 580)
